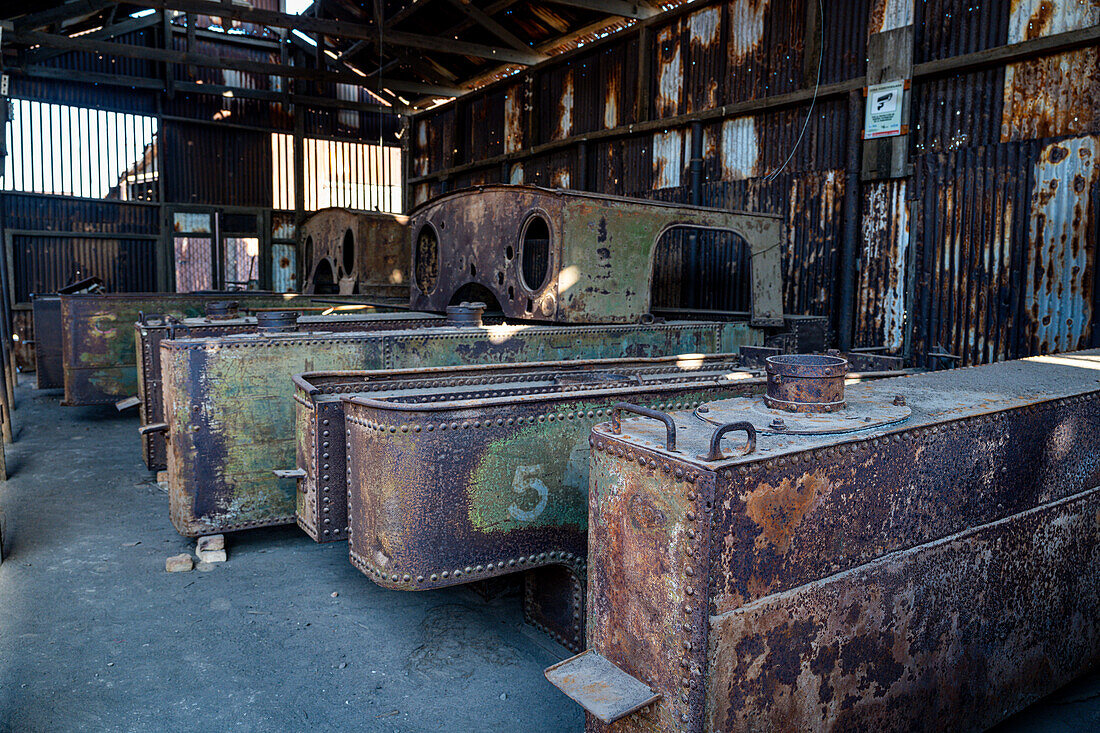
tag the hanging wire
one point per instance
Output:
(817, 86)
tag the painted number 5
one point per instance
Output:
(526, 481)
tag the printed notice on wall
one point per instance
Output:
(884, 107)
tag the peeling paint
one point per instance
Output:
(668, 148)
(565, 108)
(704, 25)
(746, 28)
(740, 155)
(882, 277)
(887, 15)
(670, 73)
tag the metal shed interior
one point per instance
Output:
(181, 145)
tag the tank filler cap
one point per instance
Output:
(276, 321)
(222, 310)
(465, 315)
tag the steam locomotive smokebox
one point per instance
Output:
(567, 256)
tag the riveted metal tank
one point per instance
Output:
(922, 559)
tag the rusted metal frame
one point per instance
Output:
(1047, 45)
(1011, 430)
(150, 336)
(344, 29)
(319, 397)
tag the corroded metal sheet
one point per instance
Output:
(815, 583)
(100, 361)
(48, 369)
(151, 331)
(569, 257)
(360, 252)
(230, 409)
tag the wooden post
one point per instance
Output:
(889, 58)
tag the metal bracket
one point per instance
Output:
(600, 687)
(294, 473)
(156, 427)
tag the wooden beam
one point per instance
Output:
(215, 90)
(485, 21)
(106, 32)
(65, 11)
(623, 8)
(397, 85)
(215, 62)
(474, 82)
(343, 29)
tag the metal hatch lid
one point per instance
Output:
(599, 686)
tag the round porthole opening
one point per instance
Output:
(535, 252)
(426, 263)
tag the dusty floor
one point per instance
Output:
(95, 636)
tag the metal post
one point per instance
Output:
(691, 278)
(6, 351)
(850, 240)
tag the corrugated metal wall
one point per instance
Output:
(986, 251)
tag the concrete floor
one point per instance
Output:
(95, 636)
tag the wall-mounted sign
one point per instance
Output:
(884, 110)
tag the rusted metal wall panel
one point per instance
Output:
(967, 129)
(227, 166)
(1051, 95)
(945, 28)
(956, 112)
(38, 212)
(1002, 237)
(1062, 241)
(881, 293)
(970, 238)
(44, 263)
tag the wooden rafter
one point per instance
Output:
(343, 29)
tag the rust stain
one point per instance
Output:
(778, 510)
(513, 119)
(1051, 95)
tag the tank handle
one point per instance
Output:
(670, 425)
(715, 452)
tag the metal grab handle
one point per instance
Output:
(715, 452)
(157, 427)
(670, 425)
